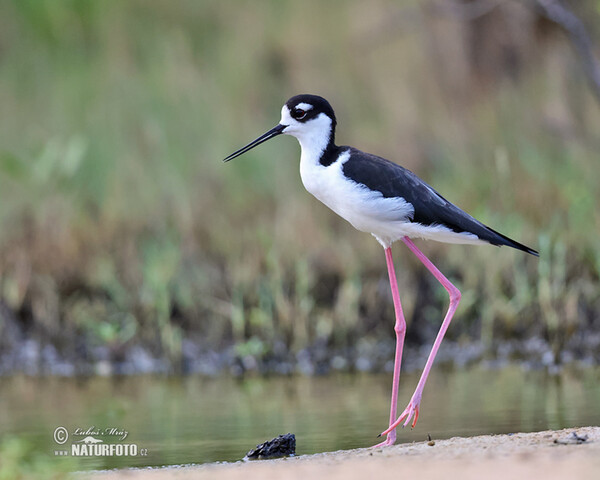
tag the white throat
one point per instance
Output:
(313, 135)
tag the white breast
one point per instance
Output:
(365, 209)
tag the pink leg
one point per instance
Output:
(400, 329)
(413, 406)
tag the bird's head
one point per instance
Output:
(309, 118)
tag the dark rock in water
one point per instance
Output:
(281, 446)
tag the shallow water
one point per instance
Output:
(197, 420)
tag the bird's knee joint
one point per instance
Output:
(455, 295)
(400, 328)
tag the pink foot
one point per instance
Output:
(411, 410)
(390, 440)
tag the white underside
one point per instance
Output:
(388, 219)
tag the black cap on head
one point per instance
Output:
(319, 105)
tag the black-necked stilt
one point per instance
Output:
(386, 200)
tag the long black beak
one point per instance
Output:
(278, 130)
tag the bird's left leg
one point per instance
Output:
(400, 329)
(413, 407)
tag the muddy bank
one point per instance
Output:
(568, 453)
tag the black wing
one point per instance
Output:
(393, 180)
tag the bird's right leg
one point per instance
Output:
(400, 329)
(412, 410)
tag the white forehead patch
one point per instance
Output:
(286, 118)
(304, 106)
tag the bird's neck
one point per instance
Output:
(318, 147)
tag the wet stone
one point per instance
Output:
(573, 439)
(281, 446)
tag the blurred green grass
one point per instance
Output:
(21, 460)
(120, 226)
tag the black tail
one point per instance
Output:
(509, 242)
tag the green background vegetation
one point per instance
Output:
(121, 228)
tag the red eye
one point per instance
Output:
(298, 113)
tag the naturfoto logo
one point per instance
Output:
(96, 442)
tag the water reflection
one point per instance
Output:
(197, 420)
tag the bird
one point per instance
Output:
(392, 203)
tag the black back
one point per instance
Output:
(430, 208)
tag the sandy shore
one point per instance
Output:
(545, 455)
